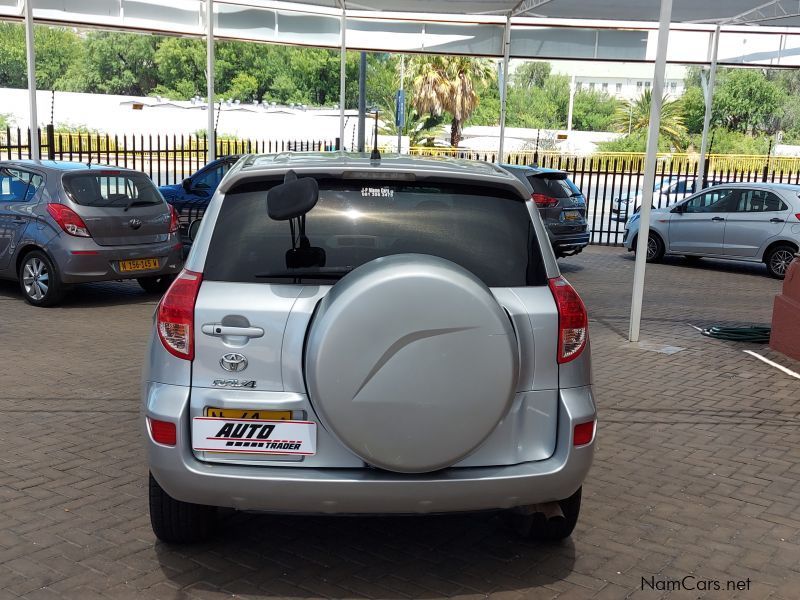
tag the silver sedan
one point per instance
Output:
(753, 222)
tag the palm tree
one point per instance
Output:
(449, 84)
(634, 116)
(421, 129)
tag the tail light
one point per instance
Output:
(797, 216)
(583, 433)
(68, 220)
(175, 315)
(163, 432)
(174, 221)
(543, 201)
(573, 322)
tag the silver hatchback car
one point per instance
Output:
(63, 223)
(353, 336)
(754, 222)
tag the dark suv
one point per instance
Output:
(561, 206)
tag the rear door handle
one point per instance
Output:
(220, 330)
(776, 220)
(18, 221)
(717, 218)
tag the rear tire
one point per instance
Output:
(39, 280)
(176, 522)
(536, 527)
(778, 260)
(157, 284)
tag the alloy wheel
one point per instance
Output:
(36, 278)
(652, 247)
(779, 262)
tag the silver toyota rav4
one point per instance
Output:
(352, 336)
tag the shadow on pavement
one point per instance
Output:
(89, 295)
(709, 264)
(388, 557)
(570, 264)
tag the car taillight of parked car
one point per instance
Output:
(543, 201)
(174, 220)
(573, 321)
(68, 220)
(175, 315)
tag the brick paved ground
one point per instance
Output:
(697, 470)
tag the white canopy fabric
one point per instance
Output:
(540, 29)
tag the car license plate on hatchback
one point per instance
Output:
(572, 215)
(139, 264)
(254, 436)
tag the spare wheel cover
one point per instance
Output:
(411, 362)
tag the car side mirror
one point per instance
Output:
(193, 227)
(187, 184)
(680, 209)
(293, 198)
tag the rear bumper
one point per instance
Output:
(570, 241)
(366, 490)
(82, 260)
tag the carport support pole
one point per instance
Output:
(342, 74)
(650, 169)
(31, 58)
(708, 96)
(504, 87)
(211, 137)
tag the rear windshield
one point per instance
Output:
(111, 188)
(484, 230)
(555, 185)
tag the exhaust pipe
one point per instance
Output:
(524, 518)
(551, 511)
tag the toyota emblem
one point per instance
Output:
(233, 362)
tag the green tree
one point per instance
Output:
(57, 48)
(244, 87)
(531, 74)
(115, 63)
(181, 68)
(693, 108)
(12, 56)
(449, 84)
(593, 111)
(634, 116)
(745, 100)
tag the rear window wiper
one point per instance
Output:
(307, 273)
(136, 202)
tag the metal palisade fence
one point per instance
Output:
(166, 158)
(610, 182)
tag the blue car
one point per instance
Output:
(191, 197)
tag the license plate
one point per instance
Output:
(572, 215)
(140, 264)
(247, 413)
(254, 436)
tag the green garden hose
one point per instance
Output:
(756, 334)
